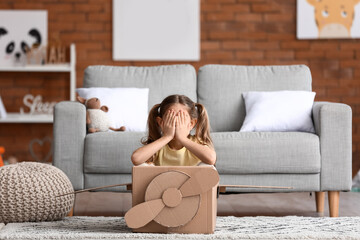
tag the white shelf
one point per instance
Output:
(43, 118)
(27, 118)
(39, 68)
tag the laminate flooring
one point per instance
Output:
(257, 204)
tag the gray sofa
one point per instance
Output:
(308, 162)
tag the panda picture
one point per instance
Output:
(19, 31)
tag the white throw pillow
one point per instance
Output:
(127, 106)
(278, 111)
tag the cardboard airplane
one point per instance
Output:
(174, 199)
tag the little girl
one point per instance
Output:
(169, 142)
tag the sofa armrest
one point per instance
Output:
(333, 124)
(69, 140)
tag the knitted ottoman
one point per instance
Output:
(28, 193)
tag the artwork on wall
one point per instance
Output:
(156, 30)
(19, 31)
(328, 19)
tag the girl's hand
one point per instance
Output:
(183, 126)
(168, 124)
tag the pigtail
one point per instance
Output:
(154, 129)
(202, 133)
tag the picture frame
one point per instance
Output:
(19, 31)
(161, 30)
(328, 19)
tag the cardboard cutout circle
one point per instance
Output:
(172, 197)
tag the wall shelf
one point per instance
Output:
(43, 118)
(39, 68)
(27, 118)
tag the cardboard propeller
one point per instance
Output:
(172, 198)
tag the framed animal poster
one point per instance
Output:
(19, 31)
(156, 30)
(319, 19)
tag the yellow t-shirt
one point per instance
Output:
(170, 157)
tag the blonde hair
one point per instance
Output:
(196, 111)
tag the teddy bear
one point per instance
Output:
(96, 118)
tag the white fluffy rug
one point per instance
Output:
(226, 228)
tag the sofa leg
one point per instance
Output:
(320, 201)
(334, 203)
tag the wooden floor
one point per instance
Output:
(260, 204)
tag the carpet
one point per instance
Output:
(92, 228)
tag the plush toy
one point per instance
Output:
(96, 118)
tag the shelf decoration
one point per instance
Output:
(19, 31)
(3, 113)
(36, 106)
(39, 145)
(328, 19)
(37, 55)
(57, 54)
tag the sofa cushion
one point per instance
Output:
(110, 152)
(126, 106)
(266, 152)
(162, 81)
(237, 152)
(220, 89)
(278, 111)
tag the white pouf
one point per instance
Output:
(28, 193)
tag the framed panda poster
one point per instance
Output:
(20, 30)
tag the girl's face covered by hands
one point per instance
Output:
(176, 122)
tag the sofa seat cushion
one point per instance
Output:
(266, 152)
(110, 152)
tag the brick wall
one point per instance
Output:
(254, 32)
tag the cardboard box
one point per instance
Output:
(181, 209)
